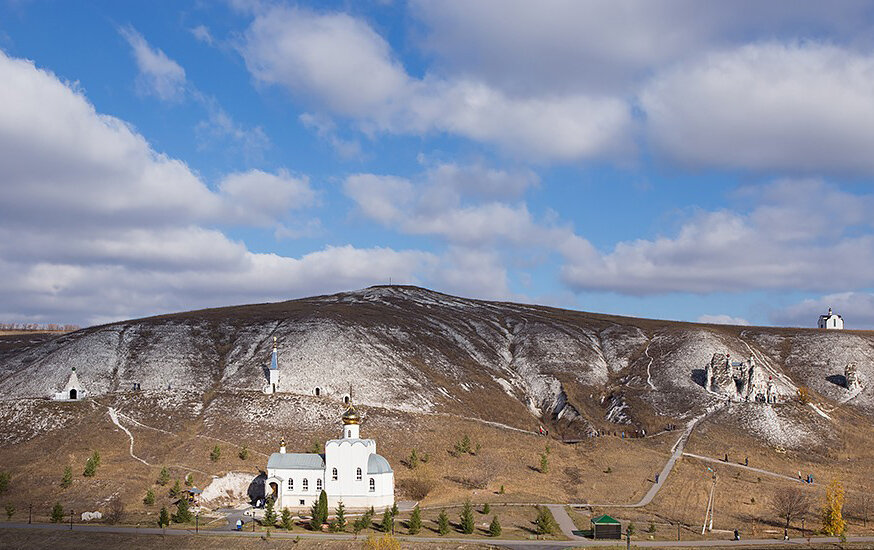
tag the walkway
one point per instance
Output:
(741, 466)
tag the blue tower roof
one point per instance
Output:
(273, 363)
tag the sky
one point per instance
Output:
(684, 160)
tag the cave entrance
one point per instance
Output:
(73, 394)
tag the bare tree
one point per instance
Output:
(790, 503)
(115, 511)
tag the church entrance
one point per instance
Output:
(318, 391)
(274, 491)
(72, 394)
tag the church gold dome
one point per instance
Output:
(351, 416)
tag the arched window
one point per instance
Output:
(318, 484)
(318, 391)
(306, 485)
(334, 474)
(372, 485)
(290, 484)
(358, 474)
(346, 400)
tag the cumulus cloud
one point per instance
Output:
(803, 235)
(341, 65)
(95, 225)
(795, 108)
(856, 309)
(159, 76)
(202, 34)
(722, 319)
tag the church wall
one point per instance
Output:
(347, 455)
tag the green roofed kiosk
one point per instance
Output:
(605, 527)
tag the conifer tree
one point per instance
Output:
(285, 520)
(163, 517)
(10, 510)
(545, 522)
(442, 523)
(57, 513)
(164, 476)
(323, 506)
(269, 512)
(388, 521)
(175, 490)
(415, 520)
(832, 511)
(414, 459)
(67, 480)
(183, 513)
(215, 454)
(91, 464)
(189, 480)
(467, 523)
(495, 527)
(149, 499)
(4, 482)
(394, 510)
(486, 508)
(340, 517)
(244, 453)
(544, 463)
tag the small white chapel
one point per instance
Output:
(831, 321)
(73, 391)
(349, 471)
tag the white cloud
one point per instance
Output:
(856, 309)
(796, 108)
(343, 66)
(722, 319)
(326, 129)
(802, 235)
(159, 75)
(94, 225)
(202, 34)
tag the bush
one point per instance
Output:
(413, 461)
(442, 523)
(545, 522)
(417, 488)
(115, 513)
(149, 499)
(10, 510)
(803, 395)
(183, 513)
(244, 453)
(57, 513)
(189, 480)
(495, 527)
(67, 480)
(91, 465)
(385, 542)
(652, 527)
(163, 517)
(501, 490)
(164, 476)
(175, 490)
(631, 529)
(285, 520)
(415, 524)
(466, 518)
(544, 463)
(486, 508)
(215, 454)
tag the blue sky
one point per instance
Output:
(675, 160)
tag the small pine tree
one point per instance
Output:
(544, 463)
(394, 510)
(359, 525)
(832, 511)
(163, 517)
(189, 480)
(10, 510)
(413, 460)
(465, 444)
(215, 454)
(164, 476)
(501, 490)
(415, 524)
(425, 458)
(67, 480)
(244, 453)
(486, 508)
(495, 527)
(652, 527)
(631, 529)
(149, 499)
(545, 522)
(183, 513)
(466, 518)
(388, 521)
(323, 506)
(442, 523)
(476, 449)
(4, 482)
(91, 465)
(269, 512)
(57, 513)
(285, 520)
(340, 517)
(175, 490)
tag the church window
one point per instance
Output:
(358, 474)
(290, 484)
(306, 485)
(346, 400)
(319, 484)
(372, 485)
(318, 391)
(334, 474)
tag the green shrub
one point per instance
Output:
(244, 453)
(269, 513)
(415, 524)
(495, 527)
(183, 513)
(388, 521)
(10, 510)
(466, 518)
(285, 520)
(163, 517)
(545, 521)
(164, 476)
(442, 523)
(149, 499)
(57, 513)
(215, 454)
(91, 465)
(67, 480)
(486, 508)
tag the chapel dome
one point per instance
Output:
(351, 416)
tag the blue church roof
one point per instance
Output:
(273, 363)
(296, 461)
(377, 465)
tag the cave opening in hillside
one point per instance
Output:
(346, 400)
(318, 391)
(72, 394)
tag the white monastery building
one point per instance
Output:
(73, 391)
(831, 321)
(349, 471)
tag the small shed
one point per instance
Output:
(194, 494)
(605, 527)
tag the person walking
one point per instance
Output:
(657, 479)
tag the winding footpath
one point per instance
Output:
(113, 414)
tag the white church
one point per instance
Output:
(831, 321)
(73, 391)
(349, 471)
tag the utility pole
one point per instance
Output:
(628, 538)
(71, 520)
(30, 515)
(196, 522)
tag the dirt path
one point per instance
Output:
(741, 466)
(648, 365)
(114, 416)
